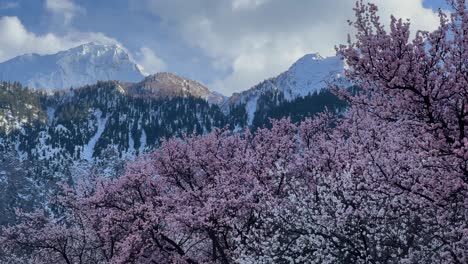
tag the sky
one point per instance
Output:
(228, 45)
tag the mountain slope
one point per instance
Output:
(80, 124)
(82, 65)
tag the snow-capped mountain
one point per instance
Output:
(131, 116)
(47, 137)
(82, 65)
(306, 76)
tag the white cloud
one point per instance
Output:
(258, 39)
(16, 40)
(151, 63)
(65, 9)
(247, 4)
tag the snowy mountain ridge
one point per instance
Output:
(79, 66)
(90, 63)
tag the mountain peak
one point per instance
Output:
(311, 56)
(308, 60)
(78, 66)
(311, 73)
(170, 81)
(96, 48)
(166, 84)
(163, 76)
(307, 75)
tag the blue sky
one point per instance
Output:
(228, 45)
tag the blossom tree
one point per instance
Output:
(387, 182)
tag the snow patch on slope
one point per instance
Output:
(142, 141)
(88, 149)
(50, 115)
(251, 108)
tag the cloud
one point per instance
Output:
(64, 9)
(16, 40)
(247, 4)
(257, 39)
(150, 61)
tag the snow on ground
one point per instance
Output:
(21, 155)
(88, 149)
(251, 108)
(142, 142)
(50, 115)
